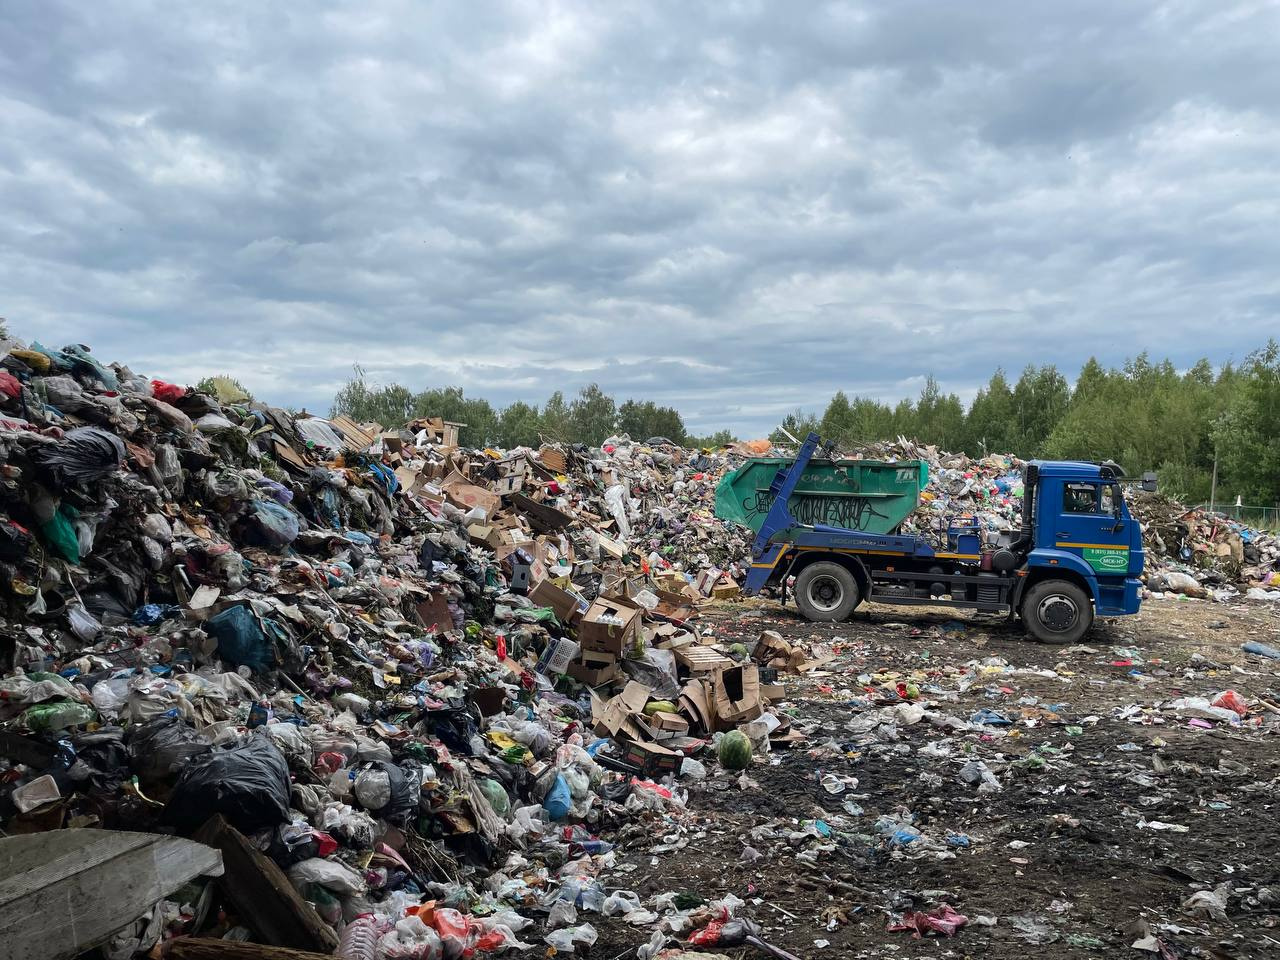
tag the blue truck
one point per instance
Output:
(1077, 555)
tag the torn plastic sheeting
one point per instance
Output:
(941, 920)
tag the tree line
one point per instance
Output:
(1145, 415)
(589, 418)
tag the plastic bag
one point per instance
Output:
(83, 624)
(333, 875)
(168, 392)
(558, 799)
(1230, 700)
(620, 903)
(60, 532)
(84, 455)
(240, 640)
(565, 940)
(162, 745)
(410, 940)
(497, 796)
(248, 784)
(456, 933)
(277, 524)
(383, 788)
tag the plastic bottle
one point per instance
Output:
(359, 939)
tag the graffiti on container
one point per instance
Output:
(851, 513)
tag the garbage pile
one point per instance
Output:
(401, 685)
(1201, 554)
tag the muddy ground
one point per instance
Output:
(1107, 820)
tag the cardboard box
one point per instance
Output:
(726, 589)
(567, 606)
(736, 698)
(695, 703)
(595, 669)
(609, 626)
(651, 759)
(670, 723)
(483, 535)
(467, 496)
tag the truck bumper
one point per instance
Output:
(1118, 598)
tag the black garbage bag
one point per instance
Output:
(84, 455)
(104, 759)
(163, 745)
(383, 790)
(247, 783)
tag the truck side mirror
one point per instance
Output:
(1149, 482)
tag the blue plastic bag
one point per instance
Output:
(279, 524)
(558, 800)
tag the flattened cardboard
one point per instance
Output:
(566, 605)
(611, 716)
(696, 704)
(434, 612)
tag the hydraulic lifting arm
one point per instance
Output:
(779, 517)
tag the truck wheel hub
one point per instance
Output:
(1058, 612)
(825, 593)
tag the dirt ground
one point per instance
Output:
(1110, 813)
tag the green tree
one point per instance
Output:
(642, 419)
(554, 423)
(799, 423)
(1248, 433)
(989, 424)
(518, 425)
(1040, 399)
(593, 415)
(720, 438)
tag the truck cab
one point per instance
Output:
(1077, 555)
(1082, 535)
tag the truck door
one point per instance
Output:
(1086, 525)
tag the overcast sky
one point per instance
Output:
(736, 208)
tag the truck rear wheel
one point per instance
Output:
(1056, 611)
(826, 592)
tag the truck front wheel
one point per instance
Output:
(1057, 611)
(826, 592)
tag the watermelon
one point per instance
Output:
(735, 751)
(656, 706)
(738, 651)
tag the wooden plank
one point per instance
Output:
(92, 882)
(263, 895)
(192, 948)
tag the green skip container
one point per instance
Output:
(866, 495)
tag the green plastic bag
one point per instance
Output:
(58, 715)
(61, 534)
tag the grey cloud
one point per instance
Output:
(737, 208)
